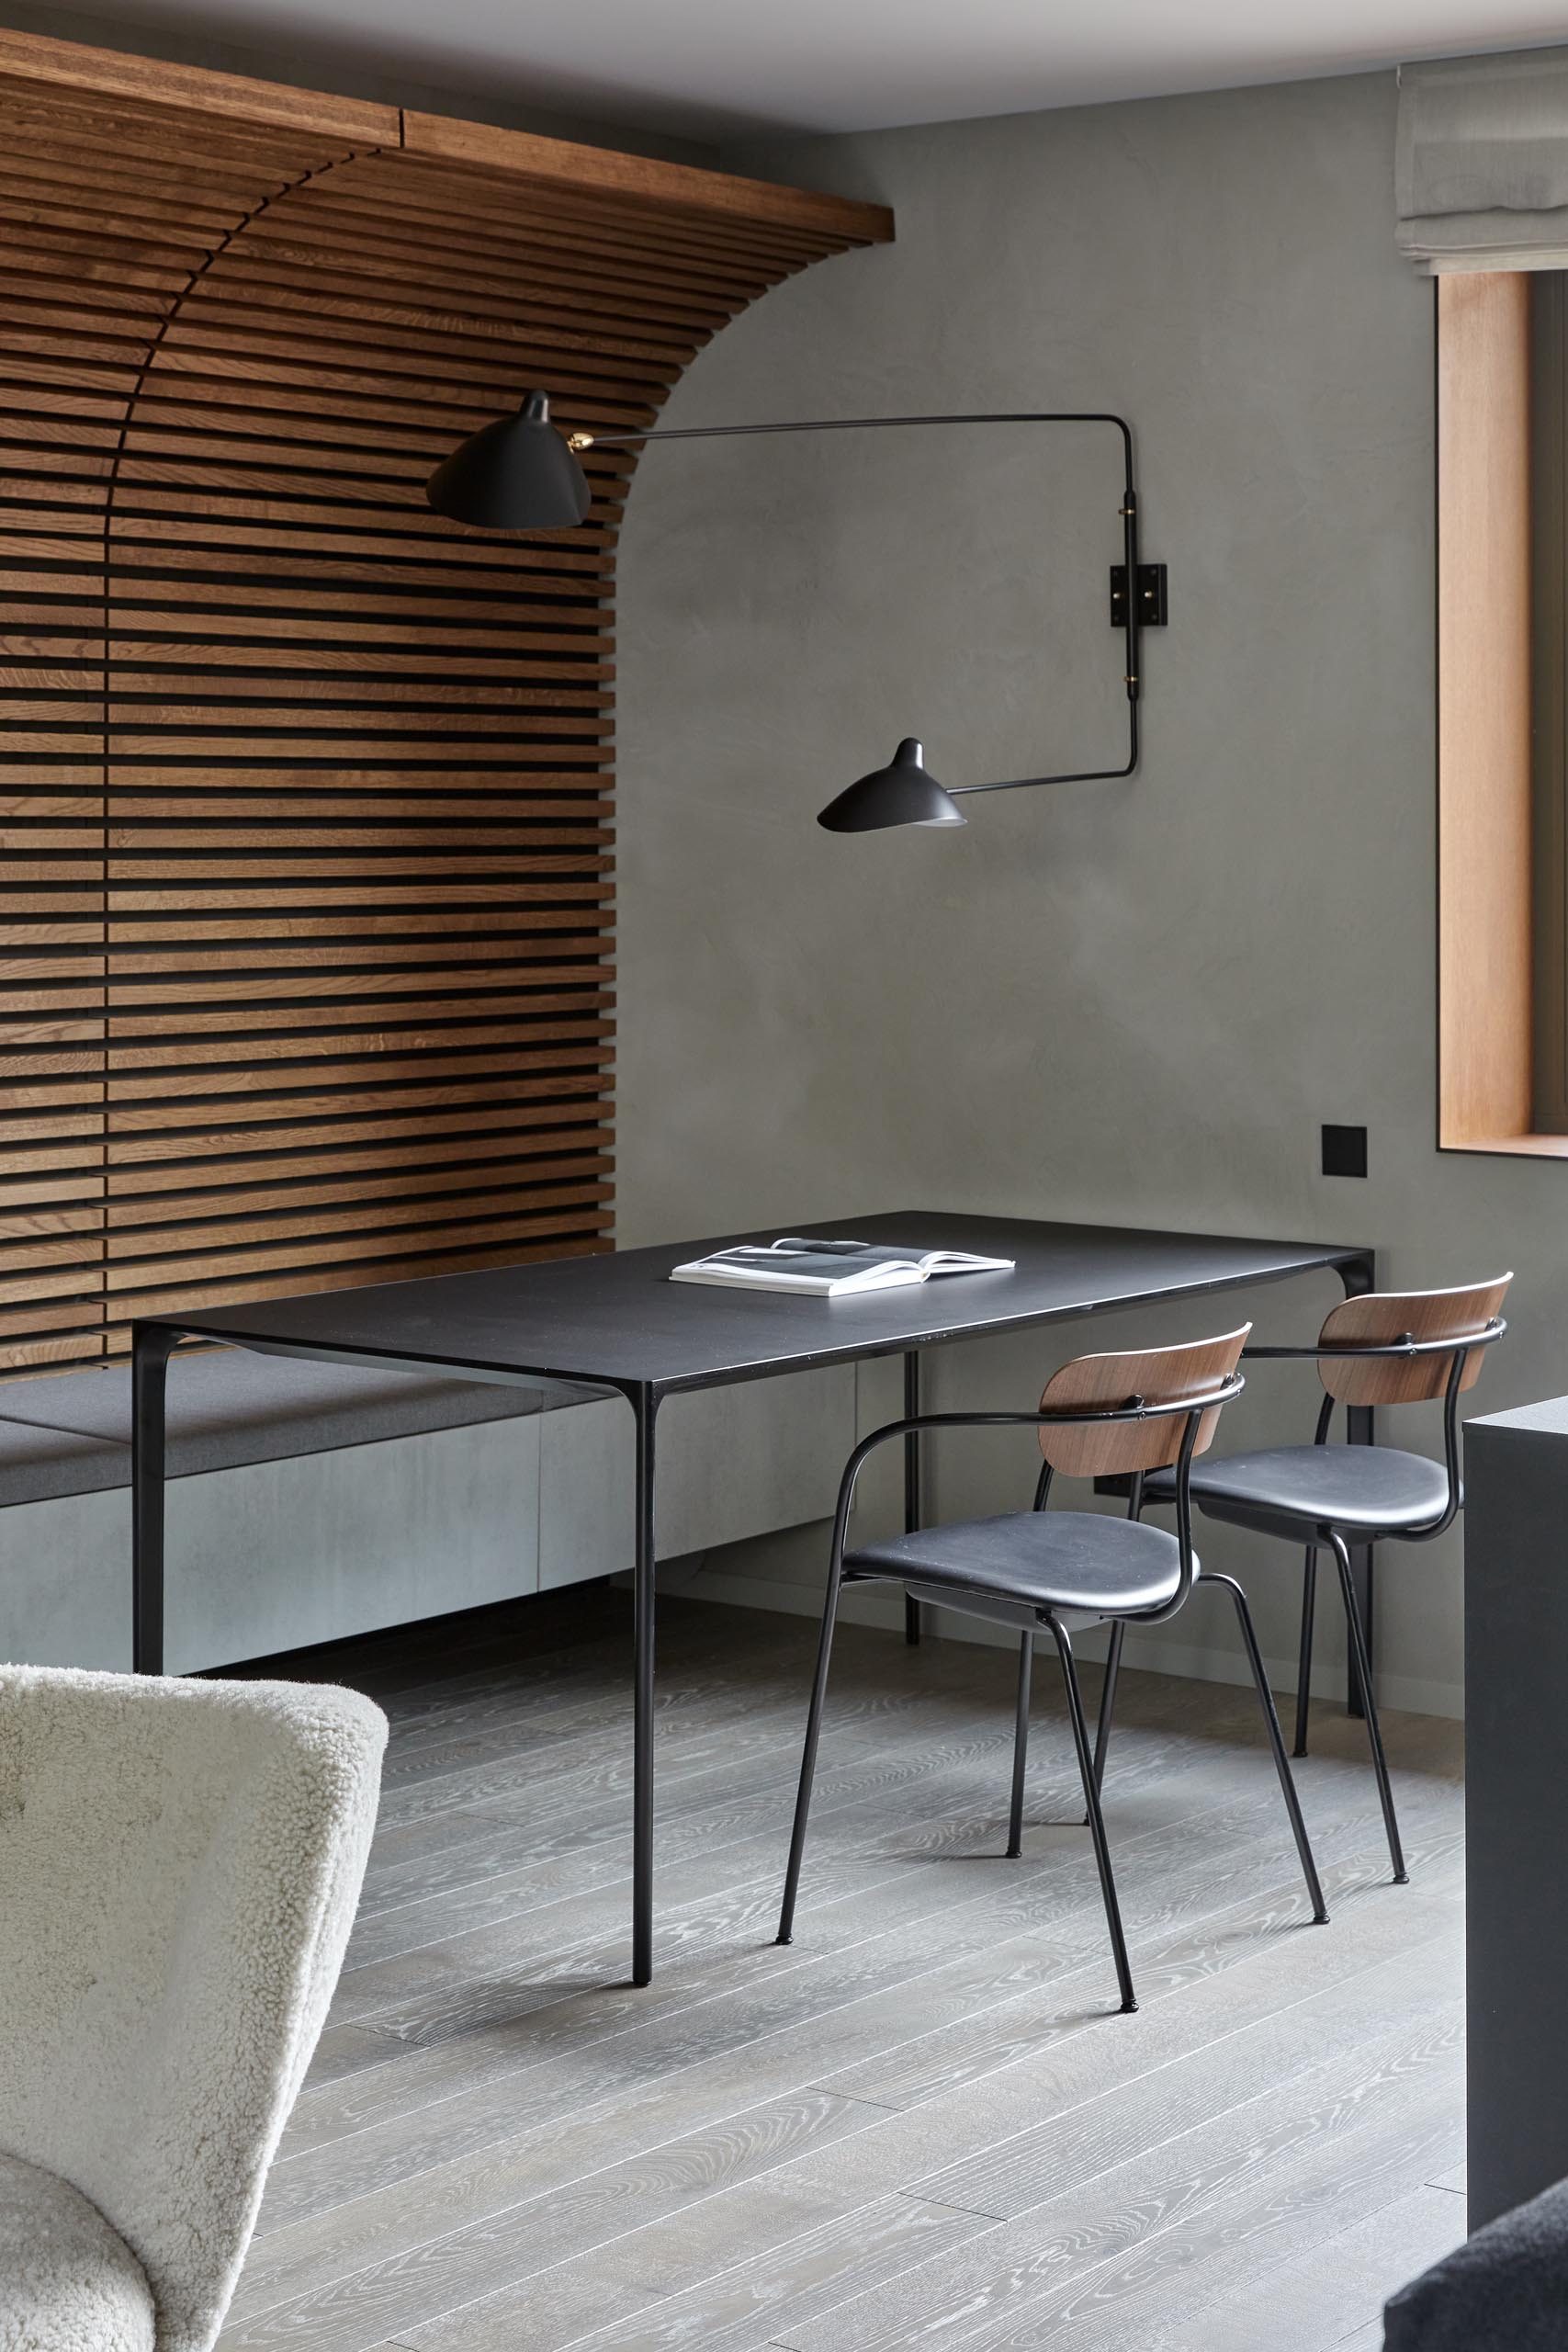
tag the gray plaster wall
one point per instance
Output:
(1134, 1001)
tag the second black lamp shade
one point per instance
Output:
(900, 794)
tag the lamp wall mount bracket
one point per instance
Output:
(1153, 604)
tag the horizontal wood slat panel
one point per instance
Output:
(136, 1136)
(307, 905)
(247, 1193)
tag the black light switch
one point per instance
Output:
(1344, 1152)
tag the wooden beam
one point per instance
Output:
(106, 72)
(559, 163)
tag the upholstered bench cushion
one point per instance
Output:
(36, 1464)
(69, 1433)
(68, 2282)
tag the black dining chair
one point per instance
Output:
(1057, 1571)
(1384, 1347)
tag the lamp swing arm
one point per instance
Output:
(523, 473)
(1129, 512)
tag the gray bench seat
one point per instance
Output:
(36, 1465)
(69, 1433)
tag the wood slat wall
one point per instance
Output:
(306, 913)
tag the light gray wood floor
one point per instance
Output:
(923, 2124)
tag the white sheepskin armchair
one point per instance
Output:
(179, 1867)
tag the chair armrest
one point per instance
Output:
(1134, 1409)
(1405, 1347)
(1282, 1355)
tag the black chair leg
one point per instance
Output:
(808, 1756)
(1021, 1744)
(1364, 1678)
(1108, 1700)
(1096, 1818)
(1276, 1742)
(1304, 1671)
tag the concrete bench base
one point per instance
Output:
(278, 1539)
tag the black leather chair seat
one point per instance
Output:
(1301, 1490)
(1073, 1560)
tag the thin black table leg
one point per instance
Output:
(911, 1478)
(645, 1405)
(1358, 1277)
(150, 1356)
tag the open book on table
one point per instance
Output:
(830, 1269)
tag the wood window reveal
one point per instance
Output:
(1503, 711)
(1549, 662)
(306, 907)
(1483, 714)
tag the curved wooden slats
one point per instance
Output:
(305, 794)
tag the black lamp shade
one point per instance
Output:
(899, 794)
(517, 474)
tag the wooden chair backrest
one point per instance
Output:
(1382, 1316)
(1160, 1376)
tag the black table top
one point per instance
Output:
(615, 1321)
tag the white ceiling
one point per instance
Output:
(706, 69)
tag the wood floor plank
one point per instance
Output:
(444, 2194)
(488, 1737)
(1311, 2303)
(854, 2256)
(966, 2048)
(870, 1749)
(530, 2056)
(627, 2279)
(1185, 2015)
(452, 1993)
(532, 2232)
(931, 1760)
(844, 2176)
(1113, 2247)
(917, 2126)
(783, 2019)
(1190, 2267)
(875, 1818)
(735, 2308)
(719, 2057)
(1019, 2173)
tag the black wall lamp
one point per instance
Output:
(522, 473)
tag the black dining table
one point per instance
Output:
(614, 1323)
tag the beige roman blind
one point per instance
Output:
(1480, 162)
